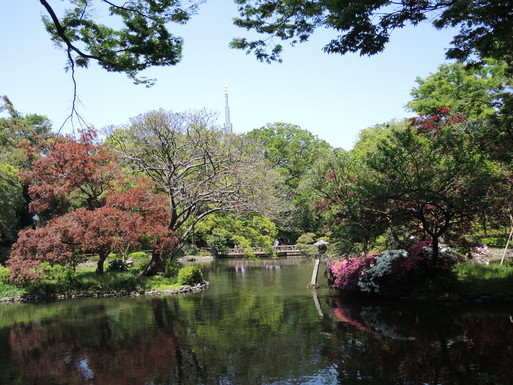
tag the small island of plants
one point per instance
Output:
(122, 277)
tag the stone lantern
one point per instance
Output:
(322, 246)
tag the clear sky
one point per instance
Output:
(332, 96)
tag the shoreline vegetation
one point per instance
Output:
(183, 289)
(121, 279)
(470, 282)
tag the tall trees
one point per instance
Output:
(293, 151)
(431, 174)
(11, 197)
(15, 127)
(201, 170)
(290, 148)
(87, 206)
(485, 26)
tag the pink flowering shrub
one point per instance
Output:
(394, 272)
(348, 271)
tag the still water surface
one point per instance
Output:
(257, 324)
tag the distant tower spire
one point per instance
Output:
(227, 124)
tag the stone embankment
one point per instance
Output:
(476, 298)
(185, 289)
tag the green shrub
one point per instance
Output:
(138, 256)
(190, 275)
(125, 283)
(4, 275)
(57, 272)
(118, 265)
(495, 242)
(307, 238)
(171, 268)
(189, 250)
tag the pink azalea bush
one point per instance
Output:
(393, 271)
(347, 272)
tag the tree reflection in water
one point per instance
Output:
(262, 326)
(104, 354)
(425, 344)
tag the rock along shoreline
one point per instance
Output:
(185, 289)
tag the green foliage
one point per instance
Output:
(136, 35)
(496, 242)
(10, 290)
(190, 275)
(4, 275)
(246, 231)
(466, 90)
(189, 249)
(307, 238)
(370, 138)
(305, 244)
(432, 173)
(171, 268)
(125, 283)
(56, 272)
(12, 200)
(293, 151)
(366, 26)
(138, 255)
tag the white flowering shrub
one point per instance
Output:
(382, 268)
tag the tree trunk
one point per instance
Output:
(101, 260)
(435, 250)
(155, 265)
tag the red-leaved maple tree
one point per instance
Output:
(119, 213)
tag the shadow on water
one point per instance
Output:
(257, 324)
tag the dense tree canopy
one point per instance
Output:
(472, 91)
(290, 148)
(293, 151)
(129, 37)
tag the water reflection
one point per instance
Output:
(110, 350)
(259, 325)
(425, 344)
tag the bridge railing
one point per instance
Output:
(277, 249)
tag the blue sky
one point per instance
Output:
(332, 96)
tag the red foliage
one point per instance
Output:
(68, 167)
(111, 222)
(130, 220)
(56, 243)
(434, 124)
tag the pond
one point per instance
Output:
(257, 324)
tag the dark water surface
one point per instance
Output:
(257, 324)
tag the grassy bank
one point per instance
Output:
(476, 278)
